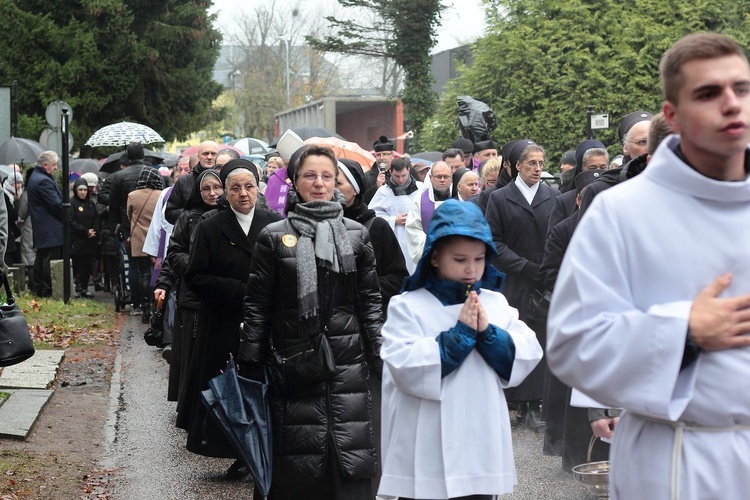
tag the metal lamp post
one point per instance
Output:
(286, 47)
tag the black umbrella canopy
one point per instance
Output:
(112, 163)
(84, 165)
(17, 150)
(428, 155)
(306, 132)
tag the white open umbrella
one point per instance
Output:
(122, 134)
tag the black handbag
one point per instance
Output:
(154, 336)
(15, 340)
(303, 366)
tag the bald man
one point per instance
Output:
(207, 152)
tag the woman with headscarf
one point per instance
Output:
(313, 276)
(217, 273)
(140, 210)
(85, 227)
(203, 197)
(389, 260)
(465, 184)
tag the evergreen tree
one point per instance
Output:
(543, 61)
(111, 60)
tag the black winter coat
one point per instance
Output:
(83, 216)
(45, 209)
(340, 408)
(121, 183)
(565, 205)
(217, 273)
(389, 259)
(519, 231)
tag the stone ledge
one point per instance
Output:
(20, 411)
(37, 372)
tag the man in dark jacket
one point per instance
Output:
(122, 183)
(207, 153)
(45, 208)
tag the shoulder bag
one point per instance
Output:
(15, 340)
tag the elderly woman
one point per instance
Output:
(389, 260)
(465, 184)
(202, 198)
(313, 277)
(217, 274)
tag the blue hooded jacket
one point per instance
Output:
(456, 218)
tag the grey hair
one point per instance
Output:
(238, 171)
(594, 152)
(47, 157)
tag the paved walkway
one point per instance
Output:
(28, 384)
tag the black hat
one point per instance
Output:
(234, 165)
(568, 158)
(506, 149)
(585, 178)
(482, 145)
(581, 150)
(464, 145)
(515, 153)
(135, 151)
(631, 119)
(383, 144)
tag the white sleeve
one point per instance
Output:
(415, 237)
(600, 342)
(412, 358)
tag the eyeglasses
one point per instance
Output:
(311, 177)
(535, 164)
(640, 142)
(383, 153)
(237, 188)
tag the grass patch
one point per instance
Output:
(54, 324)
(3, 397)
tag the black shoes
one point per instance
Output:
(238, 470)
(529, 415)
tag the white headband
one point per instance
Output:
(349, 176)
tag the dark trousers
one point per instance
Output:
(83, 266)
(42, 275)
(143, 268)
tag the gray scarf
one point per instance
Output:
(323, 242)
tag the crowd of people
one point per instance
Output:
(431, 285)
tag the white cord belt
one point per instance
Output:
(679, 429)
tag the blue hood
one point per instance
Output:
(456, 218)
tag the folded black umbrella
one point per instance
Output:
(241, 408)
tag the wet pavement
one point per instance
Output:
(149, 456)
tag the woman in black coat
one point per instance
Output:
(323, 445)
(84, 236)
(217, 274)
(203, 197)
(389, 259)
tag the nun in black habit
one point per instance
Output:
(217, 273)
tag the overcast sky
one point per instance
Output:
(459, 25)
